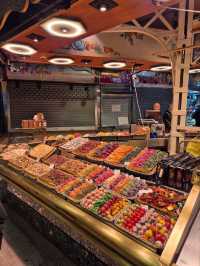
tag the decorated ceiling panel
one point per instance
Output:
(94, 46)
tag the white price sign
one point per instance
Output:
(123, 120)
(116, 108)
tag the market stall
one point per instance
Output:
(111, 186)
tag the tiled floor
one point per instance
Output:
(28, 249)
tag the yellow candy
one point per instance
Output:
(149, 233)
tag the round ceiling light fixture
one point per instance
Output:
(64, 28)
(163, 68)
(114, 65)
(194, 71)
(61, 61)
(20, 49)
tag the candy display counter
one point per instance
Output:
(118, 218)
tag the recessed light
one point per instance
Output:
(20, 49)
(35, 37)
(194, 71)
(103, 5)
(161, 68)
(103, 8)
(114, 65)
(61, 61)
(64, 28)
(86, 61)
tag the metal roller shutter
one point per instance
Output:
(63, 105)
(115, 108)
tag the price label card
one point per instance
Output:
(38, 160)
(116, 108)
(117, 172)
(123, 120)
(126, 163)
(52, 166)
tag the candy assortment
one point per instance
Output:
(118, 154)
(97, 171)
(104, 192)
(104, 150)
(146, 160)
(99, 175)
(56, 160)
(68, 184)
(41, 151)
(104, 203)
(90, 168)
(55, 178)
(166, 200)
(146, 224)
(74, 144)
(87, 147)
(131, 155)
(126, 185)
(79, 190)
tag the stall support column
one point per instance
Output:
(181, 64)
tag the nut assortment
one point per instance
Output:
(37, 169)
(73, 167)
(41, 151)
(21, 162)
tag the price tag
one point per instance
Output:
(117, 172)
(126, 163)
(116, 108)
(38, 160)
(123, 120)
(45, 140)
(52, 166)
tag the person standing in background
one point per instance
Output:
(167, 117)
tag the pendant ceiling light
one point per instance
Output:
(161, 68)
(64, 28)
(114, 65)
(20, 49)
(61, 61)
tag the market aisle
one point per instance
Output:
(27, 247)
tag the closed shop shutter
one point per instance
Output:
(63, 105)
(114, 110)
